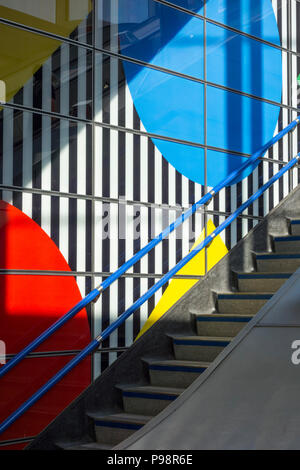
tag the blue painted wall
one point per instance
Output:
(173, 106)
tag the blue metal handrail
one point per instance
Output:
(94, 294)
(107, 332)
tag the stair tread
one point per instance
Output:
(224, 315)
(81, 445)
(121, 417)
(248, 294)
(206, 338)
(262, 273)
(174, 362)
(278, 253)
(151, 389)
(286, 237)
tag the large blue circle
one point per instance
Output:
(173, 107)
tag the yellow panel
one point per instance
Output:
(196, 267)
(23, 53)
(59, 17)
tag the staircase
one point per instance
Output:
(183, 344)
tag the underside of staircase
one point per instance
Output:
(185, 341)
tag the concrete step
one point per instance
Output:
(242, 303)
(198, 348)
(295, 227)
(217, 324)
(147, 399)
(288, 244)
(277, 262)
(114, 428)
(81, 445)
(173, 373)
(261, 282)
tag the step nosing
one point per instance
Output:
(153, 396)
(225, 319)
(288, 238)
(264, 275)
(202, 342)
(118, 424)
(171, 368)
(278, 256)
(250, 296)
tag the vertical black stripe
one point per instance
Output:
(55, 175)
(106, 163)
(137, 195)
(151, 301)
(88, 234)
(89, 85)
(17, 155)
(73, 84)
(165, 215)
(106, 25)
(55, 80)
(88, 288)
(106, 88)
(55, 219)
(72, 222)
(121, 94)
(137, 316)
(192, 200)
(216, 208)
(121, 192)
(279, 19)
(121, 309)
(179, 231)
(89, 159)
(37, 146)
(151, 198)
(73, 134)
(228, 209)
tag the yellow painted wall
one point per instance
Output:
(23, 53)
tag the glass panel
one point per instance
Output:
(220, 165)
(236, 61)
(68, 18)
(40, 72)
(45, 153)
(155, 97)
(192, 5)
(154, 33)
(238, 123)
(252, 17)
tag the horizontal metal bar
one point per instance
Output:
(121, 201)
(128, 130)
(41, 354)
(23, 272)
(94, 47)
(17, 441)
